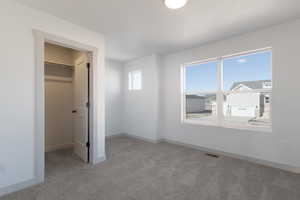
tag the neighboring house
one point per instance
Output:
(195, 104)
(248, 104)
(199, 104)
(244, 104)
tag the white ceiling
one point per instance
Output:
(135, 28)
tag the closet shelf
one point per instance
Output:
(58, 78)
(58, 64)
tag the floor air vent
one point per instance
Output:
(212, 155)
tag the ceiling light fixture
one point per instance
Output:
(175, 4)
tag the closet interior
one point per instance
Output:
(65, 122)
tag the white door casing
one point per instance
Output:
(80, 117)
(97, 106)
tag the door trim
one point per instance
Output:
(97, 105)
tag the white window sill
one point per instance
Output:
(227, 125)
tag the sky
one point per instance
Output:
(252, 67)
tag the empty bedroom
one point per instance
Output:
(160, 100)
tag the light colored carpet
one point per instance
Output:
(138, 170)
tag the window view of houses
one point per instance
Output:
(246, 91)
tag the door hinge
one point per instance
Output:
(88, 65)
(88, 104)
(88, 144)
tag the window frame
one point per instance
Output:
(131, 80)
(220, 121)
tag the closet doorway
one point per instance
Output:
(67, 101)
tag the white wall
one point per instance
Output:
(17, 78)
(140, 116)
(283, 144)
(114, 97)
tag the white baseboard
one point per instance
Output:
(114, 135)
(58, 147)
(250, 159)
(222, 153)
(155, 141)
(99, 160)
(19, 186)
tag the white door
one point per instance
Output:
(80, 119)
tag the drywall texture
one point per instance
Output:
(282, 144)
(113, 97)
(17, 86)
(140, 116)
(58, 54)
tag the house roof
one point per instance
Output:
(208, 97)
(193, 96)
(251, 84)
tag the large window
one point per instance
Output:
(231, 91)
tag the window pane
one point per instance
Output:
(242, 76)
(199, 107)
(248, 108)
(252, 71)
(201, 77)
(135, 80)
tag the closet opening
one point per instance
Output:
(67, 105)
